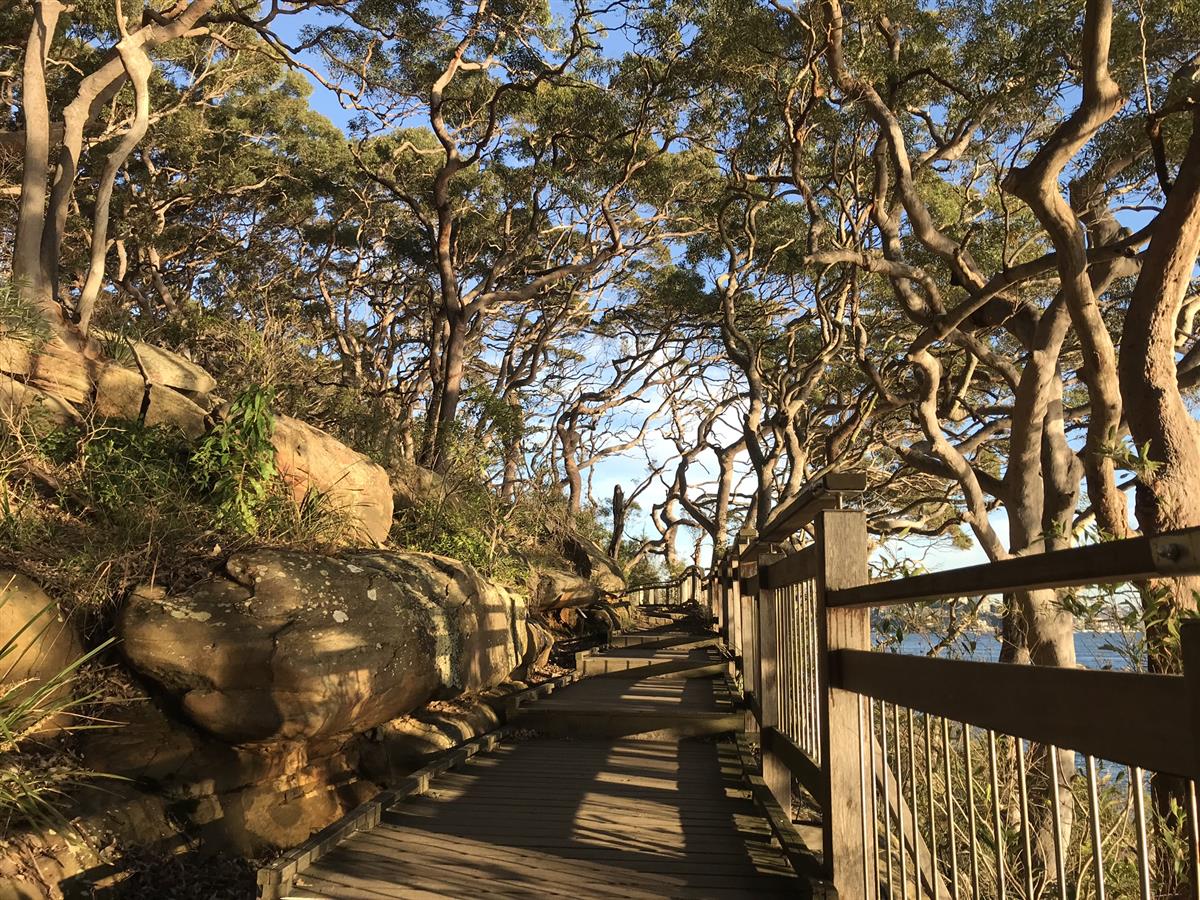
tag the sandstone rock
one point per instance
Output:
(414, 486)
(171, 408)
(541, 642)
(16, 357)
(120, 393)
(62, 372)
(556, 588)
(290, 646)
(485, 637)
(162, 367)
(591, 562)
(25, 404)
(310, 459)
(41, 642)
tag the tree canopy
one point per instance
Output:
(742, 243)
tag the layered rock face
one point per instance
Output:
(52, 385)
(287, 646)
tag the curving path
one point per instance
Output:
(625, 784)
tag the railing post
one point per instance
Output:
(1189, 649)
(750, 654)
(841, 563)
(775, 773)
(726, 606)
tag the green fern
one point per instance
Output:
(236, 461)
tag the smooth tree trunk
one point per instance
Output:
(1168, 488)
(31, 276)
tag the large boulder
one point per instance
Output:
(310, 459)
(291, 646)
(482, 625)
(414, 487)
(592, 563)
(40, 642)
(553, 587)
(580, 576)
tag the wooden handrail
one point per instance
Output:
(821, 493)
(1139, 723)
(1134, 559)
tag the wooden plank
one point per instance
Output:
(1134, 559)
(791, 569)
(804, 861)
(1126, 717)
(642, 869)
(842, 564)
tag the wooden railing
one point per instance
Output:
(956, 778)
(683, 590)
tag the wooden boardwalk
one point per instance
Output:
(634, 812)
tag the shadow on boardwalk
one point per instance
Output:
(601, 817)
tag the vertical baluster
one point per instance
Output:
(933, 866)
(900, 799)
(874, 782)
(1060, 861)
(810, 700)
(867, 834)
(1194, 834)
(951, 838)
(799, 675)
(1094, 822)
(887, 795)
(1136, 779)
(797, 672)
(809, 711)
(813, 652)
(972, 822)
(912, 790)
(1001, 887)
(1026, 845)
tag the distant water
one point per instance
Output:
(1093, 649)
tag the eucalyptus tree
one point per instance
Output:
(977, 118)
(75, 63)
(515, 154)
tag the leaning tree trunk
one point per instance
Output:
(1168, 490)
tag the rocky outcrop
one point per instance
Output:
(414, 486)
(309, 459)
(289, 646)
(50, 385)
(581, 576)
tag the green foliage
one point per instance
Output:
(235, 461)
(19, 320)
(93, 510)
